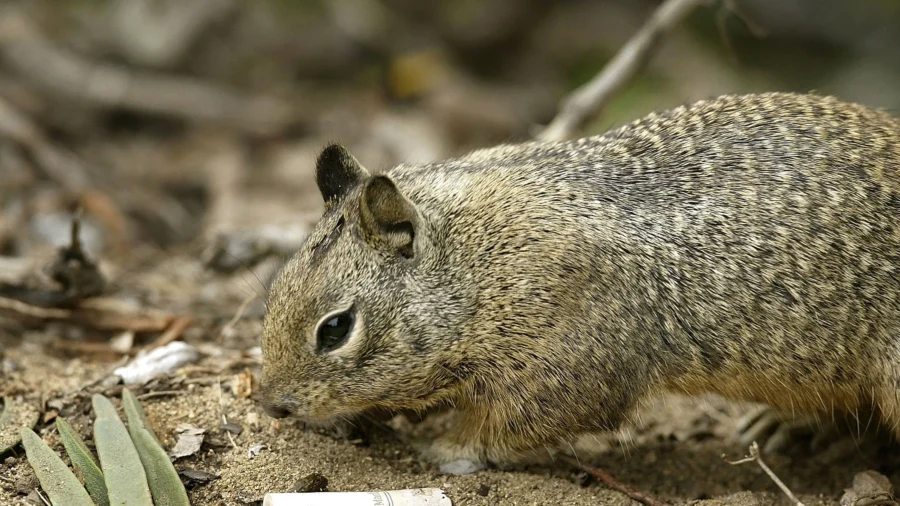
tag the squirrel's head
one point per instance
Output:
(359, 317)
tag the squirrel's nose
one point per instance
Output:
(276, 411)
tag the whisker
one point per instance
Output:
(265, 289)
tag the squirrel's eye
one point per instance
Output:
(333, 332)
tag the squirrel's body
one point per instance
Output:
(747, 246)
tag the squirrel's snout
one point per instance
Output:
(276, 410)
(275, 407)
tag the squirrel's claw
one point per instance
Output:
(772, 430)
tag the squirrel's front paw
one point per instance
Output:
(451, 457)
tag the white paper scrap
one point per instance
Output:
(410, 497)
(164, 360)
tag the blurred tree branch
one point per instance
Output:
(585, 103)
(66, 74)
(160, 34)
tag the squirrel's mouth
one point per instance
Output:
(326, 411)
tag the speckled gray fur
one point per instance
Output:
(746, 245)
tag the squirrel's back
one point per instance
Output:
(746, 234)
(746, 245)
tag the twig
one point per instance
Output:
(585, 102)
(615, 484)
(74, 276)
(178, 326)
(86, 347)
(15, 309)
(160, 393)
(222, 411)
(755, 457)
(67, 74)
(61, 166)
(237, 316)
(14, 270)
(160, 34)
(99, 313)
(43, 499)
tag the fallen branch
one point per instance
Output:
(161, 393)
(58, 164)
(586, 102)
(15, 270)
(99, 350)
(69, 75)
(615, 484)
(157, 34)
(237, 316)
(110, 199)
(172, 333)
(99, 313)
(755, 457)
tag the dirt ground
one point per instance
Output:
(675, 450)
(676, 454)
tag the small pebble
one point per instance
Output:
(195, 477)
(313, 482)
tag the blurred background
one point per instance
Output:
(173, 123)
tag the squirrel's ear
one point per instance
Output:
(337, 172)
(387, 219)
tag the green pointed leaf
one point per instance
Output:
(165, 485)
(137, 417)
(123, 472)
(84, 462)
(56, 479)
(15, 417)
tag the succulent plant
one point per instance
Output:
(133, 468)
(84, 463)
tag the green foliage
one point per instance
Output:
(56, 479)
(133, 470)
(124, 474)
(137, 417)
(84, 462)
(165, 485)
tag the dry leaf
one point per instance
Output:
(242, 384)
(190, 439)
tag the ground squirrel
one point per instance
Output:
(747, 246)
